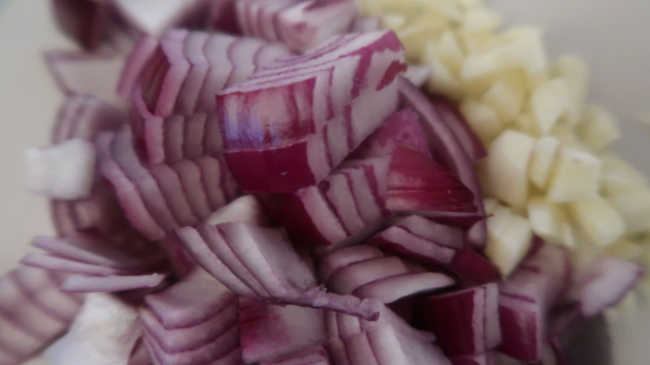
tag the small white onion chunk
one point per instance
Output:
(103, 333)
(64, 171)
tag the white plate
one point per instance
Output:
(612, 36)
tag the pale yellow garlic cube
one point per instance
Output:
(549, 102)
(509, 239)
(620, 176)
(483, 119)
(442, 80)
(576, 176)
(576, 73)
(481, 20)
(506, 167)
(546, 219)
(634, 205)
(599, 128)
(598, 220)
(543, 159)
(506, 98)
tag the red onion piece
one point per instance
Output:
(461, 129)
(313, 356)
(417, 184)
(466, 322)
(270, 332)
(387, 341)
(445, 143)
(603, 284)
(191, 321)
(152, 17)
(87, 22)
(345, 256)
(109, 284)
(300, 24)
(401, 129)
(260, 263)
(34, 312)
(482, 359)
(436, 244)
(343, 209)
(160, 199)
(324, 113)
(87, 73)
(526, 297)
(398, 287)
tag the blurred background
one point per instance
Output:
(612, 36)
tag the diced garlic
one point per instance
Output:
(446, 49)
(64, 171)
(393, 21)
(598, 220)
(575, 72)
(507, 167)
(481, 20)
(576, 176)
(634, 205)
(491, 205)
(418, 32)
(546, 219)
(442, 80)
(549, 102)
(600, 128)
(483, 119)
(541, 164)
(620, 176)
(509, 239)
(506, 99)
(521, 48)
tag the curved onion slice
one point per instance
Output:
(603, 284)
(243, 257)
(526, 297)
(389, 340)
(436, 244)
(295, 123)
(83, 117)
(312, 356)
(444, 142)
(270, 332)
(87, 73)
(173, 83)
(160, 199)
(345, 256)
(482, 359)
(398, 287)
(191, 320)
(88, 22)
(401, 129)
(34, 312)
(154, 16)
(343, 209)
(466, 322)
(300, 24)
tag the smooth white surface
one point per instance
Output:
(611, 35)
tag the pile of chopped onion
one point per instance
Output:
(265, 182)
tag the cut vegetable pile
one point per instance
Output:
(265, 182)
